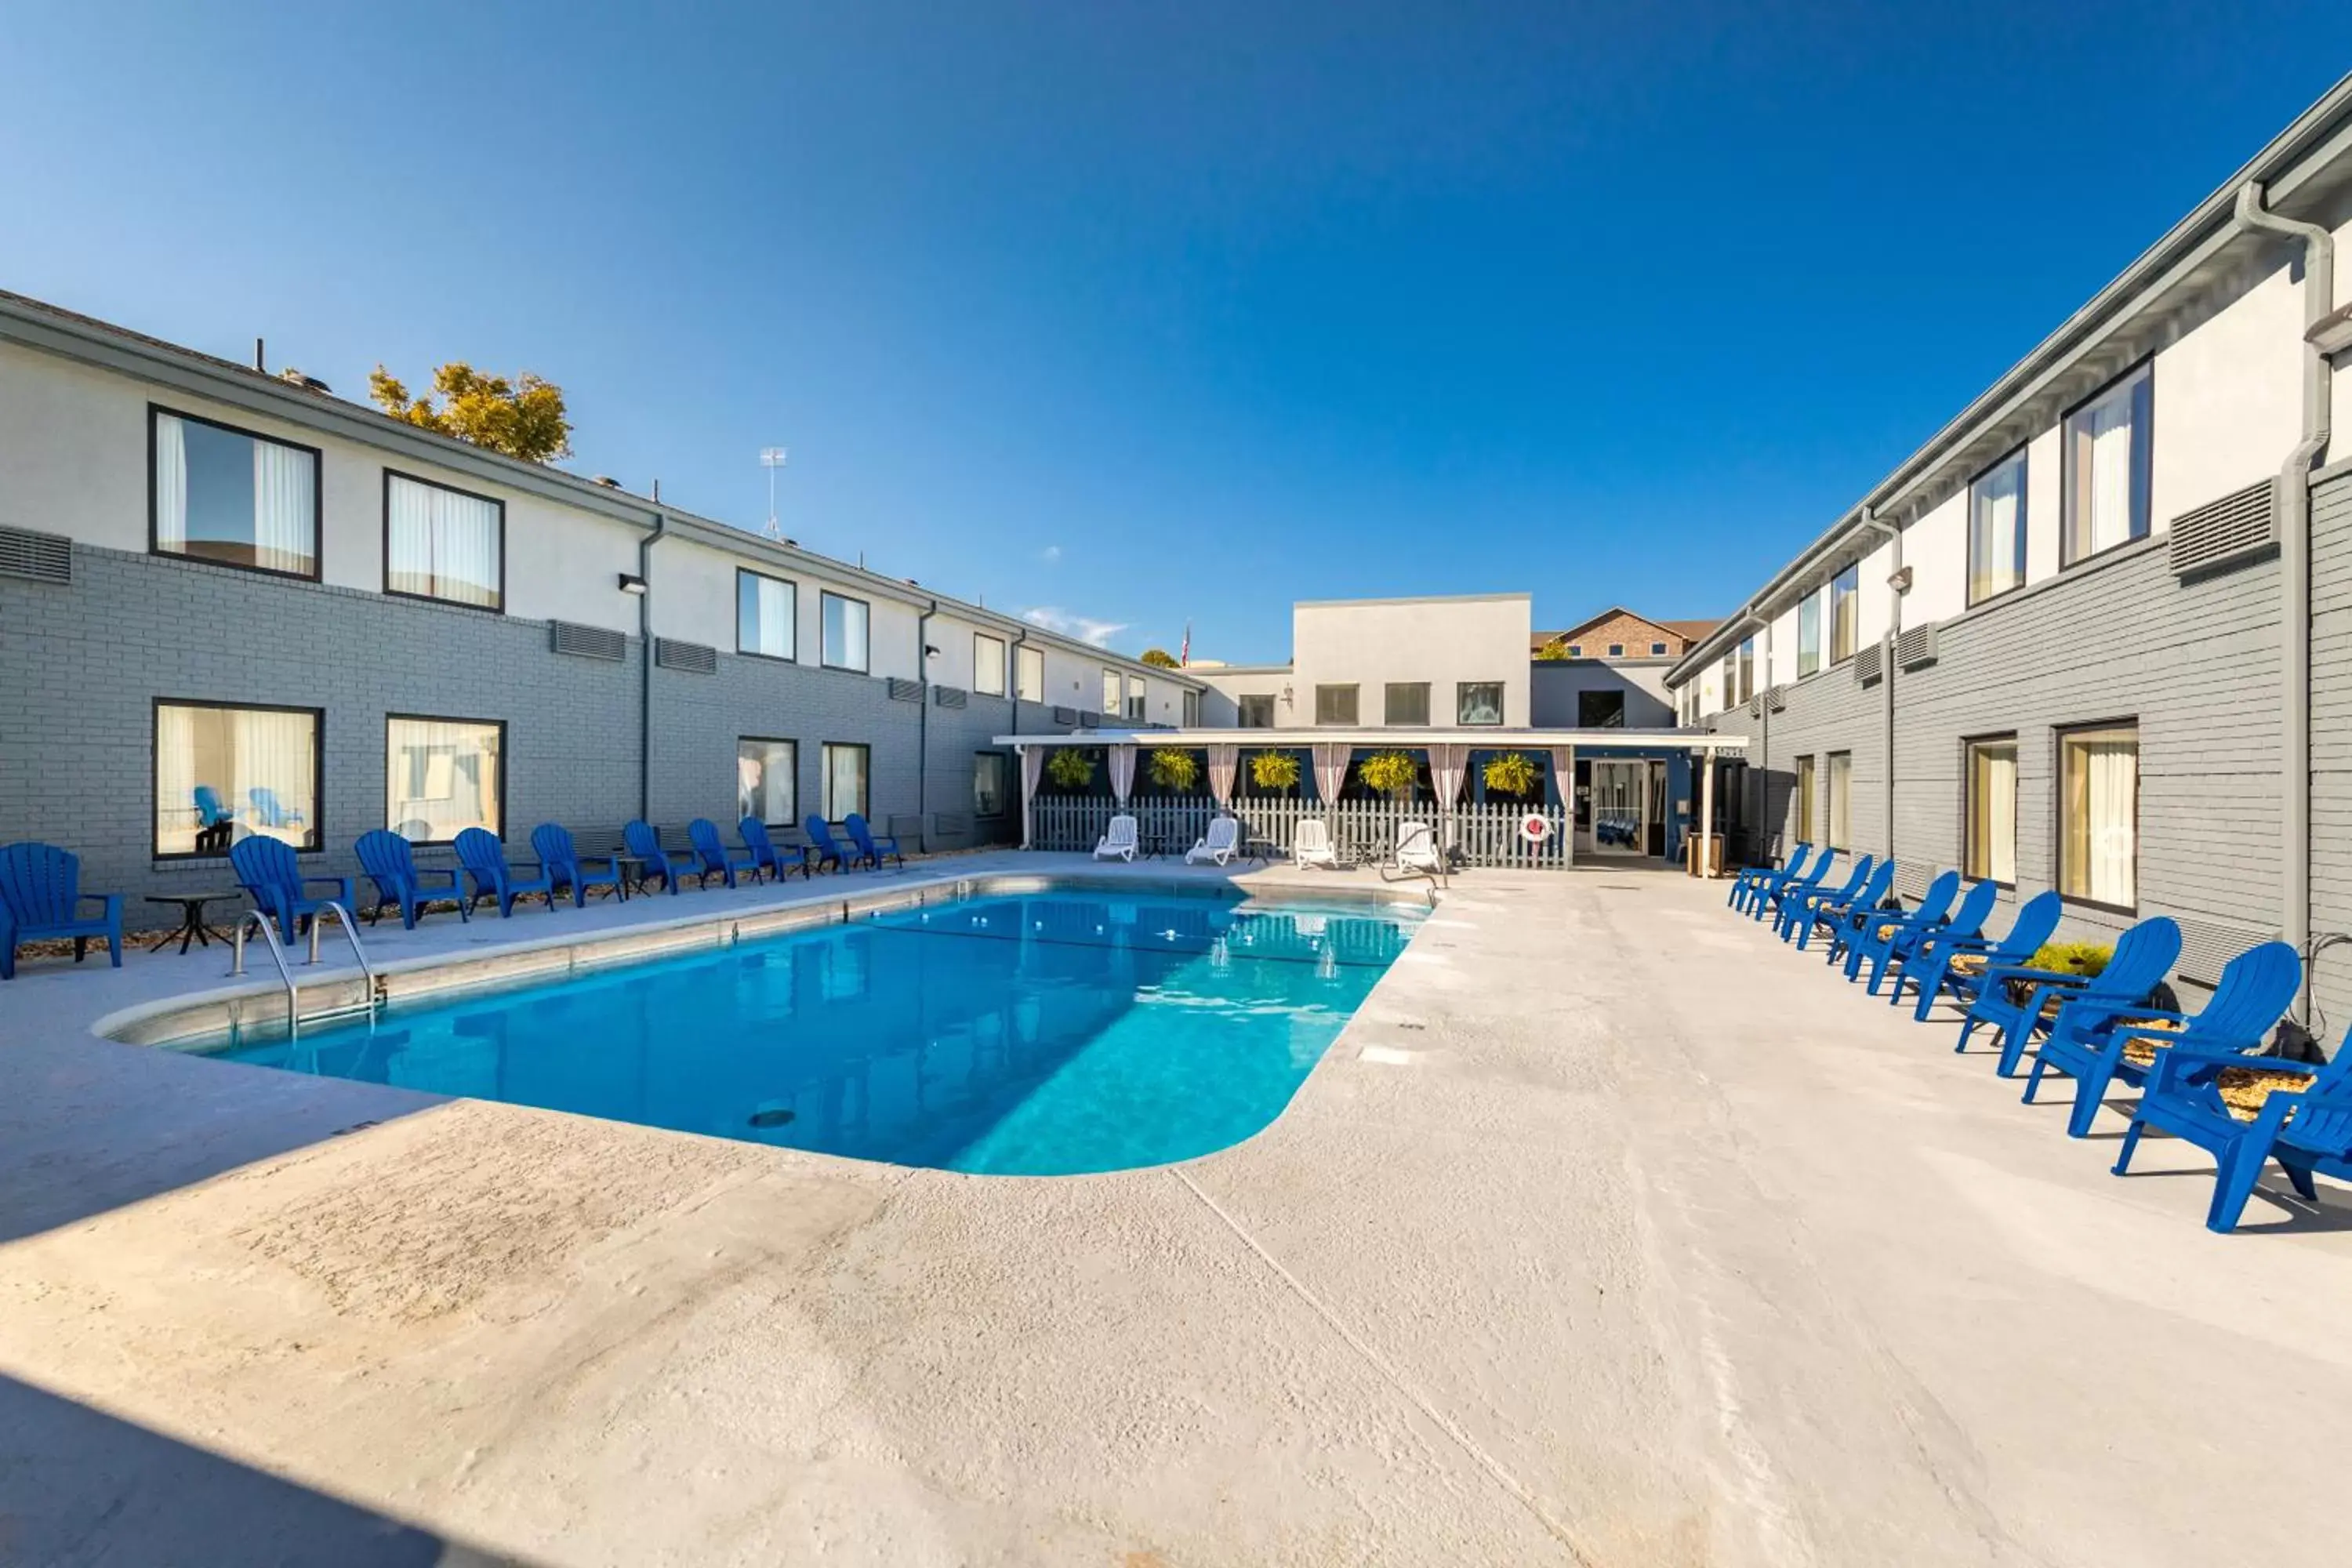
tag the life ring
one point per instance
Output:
(1535, 827)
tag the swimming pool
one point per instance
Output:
(1047, 1034)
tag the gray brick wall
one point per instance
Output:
(81, 666)
(2195, 663)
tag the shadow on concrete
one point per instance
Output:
(78, 1487)
(88, 1125)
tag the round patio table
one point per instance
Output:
(192, 926)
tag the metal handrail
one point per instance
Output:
(277, 956)
(285, 970)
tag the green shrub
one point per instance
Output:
(2084, 958)
(1512, 773)
(1068, 769)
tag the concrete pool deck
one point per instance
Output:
(1610, 1231)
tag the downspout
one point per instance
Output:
(1013, 675)
(645, 682)
(923, 727)
(1886, 668)
(2295, 570)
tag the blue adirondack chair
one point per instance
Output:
(717, 859)
(41, 896)
(485, 860)
(390, 865)
(267, 869)
(1897, 952)
(1833, 915)
(269, 812)
(2144, 955)
(1801, 908)
(2306, 1129)
(778, 863)
(871, 845)
(1775, 896)
(822, 847)
(551, 842)
(2089, 1039)
(1755, 879)
(669, 865)
(1929, 972)
(1868, 933)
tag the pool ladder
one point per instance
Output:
(269, 928)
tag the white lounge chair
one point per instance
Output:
(1416, 849)
(1219, 845)
(1119, 843)
(1311, 846)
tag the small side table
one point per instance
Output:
(1261, 850)
(622, 861)
(192, 926)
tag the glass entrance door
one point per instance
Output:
(1620, 807)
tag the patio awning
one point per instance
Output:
(1483, 738)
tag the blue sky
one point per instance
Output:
(1132, 314)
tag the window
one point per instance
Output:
(1989, 831)
(765, 615)
(1576, 650)
(222, 773)
(1135, 695)
(1029, 674)
(1809, 635)
(844, 778)
(1406, 702)
(1478, 702)
(1997, 528)
(443, 776)
(1844, 612)
(1599, 710)
(1616, 650)
(1730, 678)
(989, 772)
(1257, 712)
(987, 665)
(767, 781)
(1841, 829)
(1114, 691)
(1657, 648)
(1807, 823)
(2099, 814)
(1334, 705)
(443, 543)
(2106, 459)
(1747, 669)
(1192, 709)
(218, 493)
(844, 632)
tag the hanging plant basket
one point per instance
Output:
(1390, 773)
(1172, 768)
(1512, 773)
(1276, 772)
(1069, 769)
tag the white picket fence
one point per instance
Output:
(1363, 830)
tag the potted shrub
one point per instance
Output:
(1069, 769)
(1392, 774)
(1513, 774)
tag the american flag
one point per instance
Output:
(1184, 653)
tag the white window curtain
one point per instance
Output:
(443, 545)
(1030, 667)
(1993, 813)
(177, 819)
(987, 665)
(774, 629)
(285, 507)
(2107, 437)
(1111, 686)
(1995, 548)
(273, 764)
(844, 633)
(765, 782)
(171, 484)
(1842, 801)
(2104, 834)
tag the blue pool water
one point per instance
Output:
(1045, 1034)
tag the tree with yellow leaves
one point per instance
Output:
(523, 418)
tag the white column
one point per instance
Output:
(1706, 813)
